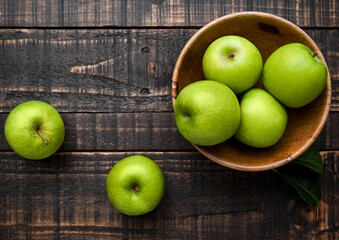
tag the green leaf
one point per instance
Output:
(303, 180)
(311, 159)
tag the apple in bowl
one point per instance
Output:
(294, 75)
(207, 113)
(263, 119)
(234, 61)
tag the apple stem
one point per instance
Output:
(136, 188)
(42, 137)
(231, 55)
(186, 114)
(314, 55)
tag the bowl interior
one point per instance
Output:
(267, 32)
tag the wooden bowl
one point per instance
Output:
(267, 32)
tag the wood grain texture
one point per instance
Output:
(107, 67)
(79, 13)
(106, 70)
(142, 132)
(65, 198)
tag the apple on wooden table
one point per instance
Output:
(234, 61)
(263, 119)
(207, 112)
(294, 75)
(34, 130)
(135, 185)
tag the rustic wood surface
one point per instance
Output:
(107, 67)
(80, 13)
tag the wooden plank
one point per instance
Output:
(75, 13)
(66, 197)
(142, 132)
(119, 70)
(117, 132)
(106, 70)
(298, 215)
(70, 189)
(327, 139)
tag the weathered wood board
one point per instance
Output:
(158, 13)
(106, 70)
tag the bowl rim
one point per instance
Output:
(309, 142)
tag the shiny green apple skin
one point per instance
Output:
(207, 113)
(34, 130)
(135, 185)
(293, 76)
(263, 119)
(234, 61)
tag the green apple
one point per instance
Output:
(234, 61)
(294, 75)
(207, 112)
(135, 185)
(263, 119)
(34, 130)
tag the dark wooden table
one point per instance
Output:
(107, 67)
